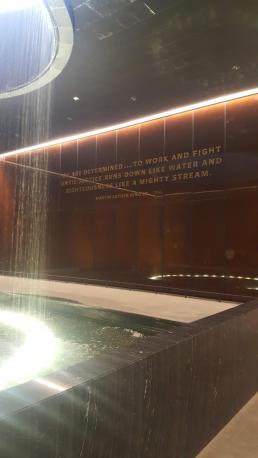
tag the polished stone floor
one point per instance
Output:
(239, 439)
(164, 306)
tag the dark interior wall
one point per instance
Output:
(6, 213)
(184, 224)
(152, 238)
(174, 196)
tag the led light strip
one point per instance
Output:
(159, 277)
(145, 119)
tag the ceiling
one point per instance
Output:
(135, 57)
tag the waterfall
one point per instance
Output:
(30, 187)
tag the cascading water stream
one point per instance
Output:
(28, 246)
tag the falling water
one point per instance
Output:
(28, 254)
(31, 193)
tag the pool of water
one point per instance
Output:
(40, 335)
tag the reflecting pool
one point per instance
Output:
(37, 340)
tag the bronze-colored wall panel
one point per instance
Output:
(177, 236)
(149, 239)
(106, 149)
(208, 234)
(128, 144)
(125, 243)
(241, 120)
(152, 139)
(54, 158)
(104, 237)
(179, 133)
(198, 172)
(209, 126)
(7, 177)
(241, 227)
(69, 157)
(87, 153)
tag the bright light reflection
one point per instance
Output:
(159, 277)
(134, 122)
(36, 354)
(52, 385)
(13, 5)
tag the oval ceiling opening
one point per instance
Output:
(36, 40)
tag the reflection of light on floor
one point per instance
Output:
(35, 355)
(159, 277)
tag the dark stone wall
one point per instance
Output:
(167, 396)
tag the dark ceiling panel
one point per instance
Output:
(134, 57)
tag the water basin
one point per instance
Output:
(42, 335)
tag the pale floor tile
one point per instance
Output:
(166, 306)
(239, 439)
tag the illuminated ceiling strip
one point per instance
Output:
(153, 117)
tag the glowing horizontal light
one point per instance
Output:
(230, 277)
(134, 122)
(36, 354)
(13, 5)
